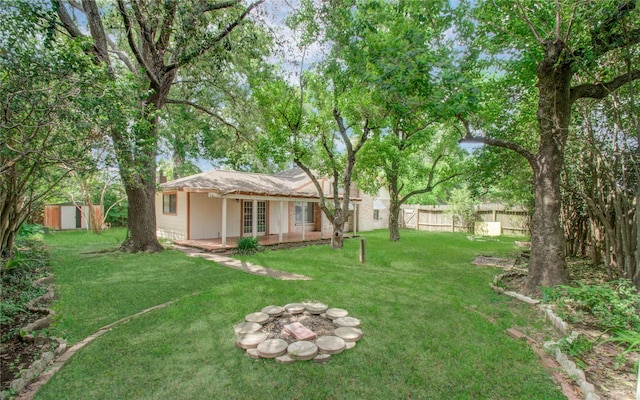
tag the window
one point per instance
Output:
(376, 215)
(169, 201)
(308, 216)
(262, 216)
(247, 211)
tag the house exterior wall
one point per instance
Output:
(172, 226)
(204, 216)
(296, 227)
(234, 217)
(274, 217)
(366, 211)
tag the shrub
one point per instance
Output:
(29, 262)
(31, 230)
(247, 245)
(614, 304)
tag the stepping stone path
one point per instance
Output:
(279, 332)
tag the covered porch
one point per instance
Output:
(268, 240)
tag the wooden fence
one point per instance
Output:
(513, 220)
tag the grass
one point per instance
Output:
(423, 306)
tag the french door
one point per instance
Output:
(248, 215)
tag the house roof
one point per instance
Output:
(291, 183)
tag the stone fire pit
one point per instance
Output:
(297, 332)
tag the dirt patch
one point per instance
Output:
(16, 354)
(613, 377)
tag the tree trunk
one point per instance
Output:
(12, 212)
(138, 176)
(547, 265)
(337, 239)
(141, 218)
(394, 203)
(394, 218)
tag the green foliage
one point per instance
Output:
(29, 262)
(629, 339)
(462, 207)
(247, 245)
(575, 347)
(615, 304)
(31, 230)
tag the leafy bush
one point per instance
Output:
(575, 347)
(630, 339)
(247, 245)
(615, 304)
(30, 230)
(29, 262)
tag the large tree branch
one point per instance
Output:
(206, 6)
(97, 30)
(208, 44)
(167, 26)
(322, 204)
(430, 185)
(605, 38)
(603, 89)
(67, 23)
(469, 137)
(532, 28)
(122, 56)
(206, 111)
(134, 47)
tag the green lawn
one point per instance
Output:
(422, 304)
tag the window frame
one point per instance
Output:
(169, 210)
(309, 210)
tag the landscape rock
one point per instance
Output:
(347, 322)
(257, 317)
(302, 350)
(251, 340)
(272, 348)
(330, 344)
(348, 334)
(334, 313)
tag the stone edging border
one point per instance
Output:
(38, 366)
(562, 328)
(61, 358)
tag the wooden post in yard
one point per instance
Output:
(362, 250)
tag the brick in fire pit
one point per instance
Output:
(299, 331)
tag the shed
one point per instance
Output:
(68, 216)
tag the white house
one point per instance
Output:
(225, 204)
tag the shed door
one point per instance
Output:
(78, 218)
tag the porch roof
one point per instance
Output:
(244, 183)
(293, 183)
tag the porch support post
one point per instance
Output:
(321, 225)
(254, 219)
(224, 222)
(355, 219)
(281, 216)
(304, 215)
